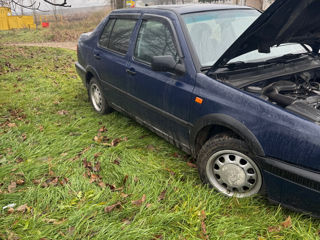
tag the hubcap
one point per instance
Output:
(96, 98)
(233, 174)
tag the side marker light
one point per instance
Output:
(198, 100)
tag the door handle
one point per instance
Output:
(131, 71)
(97, 56)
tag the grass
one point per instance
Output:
(67, 30)
(143, 189)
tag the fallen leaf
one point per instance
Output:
(96, 155)
(136, 179)
(97, 167)
(192, 165)
(140, 201)
(126, 221)
(51, 173)
(125, 179)
(71, 230)
(12, 187)
(115, 142)
(11, 125)
(287, 223)
(109, 209)
(85, 150)
(23, 208)
(117, 161)
(102, 139)
(148, 205)
(94, 178)
(274, 229)
(162, 195)
(20, 182)
(63, 112)
(41, 128)
(176, 155)
(19, 160)
(63, 154)
(157, 237)
(151, 147)
(102, 185)
(24, 137)
(10, 210)
(87, 164)
(102, 129)
(111, 186)
(118, 189)
(124, 195)
(97, 139)
(55, 221)
(36, 181)
(63, 181)
(143, 136)
(203, 234)
(170, 171)
(53, 182)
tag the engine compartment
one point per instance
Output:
(298, 93)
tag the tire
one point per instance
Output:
(97, 98)
(227, 165)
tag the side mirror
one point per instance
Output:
(166, 64)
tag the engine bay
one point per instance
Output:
(298, 93)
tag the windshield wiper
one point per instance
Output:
(241, 64)
(284, 58)
(205, 68)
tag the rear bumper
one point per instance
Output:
(291, 186)
(81, 72)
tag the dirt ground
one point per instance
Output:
(66, 45)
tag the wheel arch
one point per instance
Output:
(90, 73)
(213, 124)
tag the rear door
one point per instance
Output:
(111, 56)
(162, 99)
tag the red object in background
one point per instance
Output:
(45, 24)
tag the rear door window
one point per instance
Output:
(116, 35)
(105, 36)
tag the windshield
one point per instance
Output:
(213, 32)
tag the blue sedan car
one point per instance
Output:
(236, 89)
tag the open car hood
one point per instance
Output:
(285, 21)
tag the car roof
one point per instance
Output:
(183, 8)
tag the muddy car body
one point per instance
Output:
(237, 89)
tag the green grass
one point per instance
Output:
(25, 35)
(67, 30)
(35, 86)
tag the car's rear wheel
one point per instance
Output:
(228, 166)
(96, 97)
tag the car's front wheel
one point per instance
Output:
(228, 166)
(96, 97)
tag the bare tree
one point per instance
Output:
(116, 4)
(34, 5)
(55, 10)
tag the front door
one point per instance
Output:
(162, 98)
